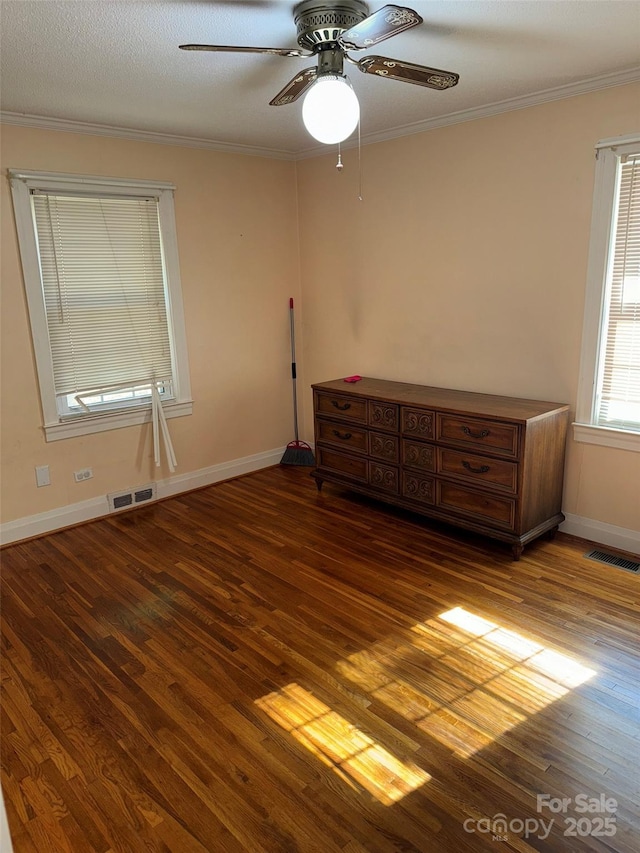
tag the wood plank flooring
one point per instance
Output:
(255, 667)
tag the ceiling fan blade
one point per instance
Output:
(295, 87)
(224, 48)
(398, 69)
(386, 22)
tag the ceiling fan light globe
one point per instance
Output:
(330, 110)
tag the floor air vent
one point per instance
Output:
(614, 560)
(123, 500)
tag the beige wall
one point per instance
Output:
(465, 264)
(237, 238)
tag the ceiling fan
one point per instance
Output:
(327, 29)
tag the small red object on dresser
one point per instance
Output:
(355, 378)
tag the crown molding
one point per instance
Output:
(582, 87)
(68, 126)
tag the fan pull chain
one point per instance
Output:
(340, 165)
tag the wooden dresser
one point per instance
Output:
(489, 464)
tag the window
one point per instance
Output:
(608, 409)
(101, 273)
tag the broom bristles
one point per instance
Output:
(298, 453)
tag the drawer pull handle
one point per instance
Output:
(481, 470)
(483, 434)
(343, 407)
(345, 436)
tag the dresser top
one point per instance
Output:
(443, 399)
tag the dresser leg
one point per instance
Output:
(516, 550)
(319, 483)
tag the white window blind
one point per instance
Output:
(103, 282)
(617, 402)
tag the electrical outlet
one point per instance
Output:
(83, 474)
(42, 475)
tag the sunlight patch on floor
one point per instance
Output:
(341, 745)
(465, 680)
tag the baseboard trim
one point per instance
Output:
(47, 522)
(603, 534)
(67, 516)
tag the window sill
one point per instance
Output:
(619, 438)
(114, 420)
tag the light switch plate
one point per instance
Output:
(43, 477)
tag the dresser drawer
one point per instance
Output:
(418, 454)
(476, 504)
(491, 436)
(385, 447)
(418, 422)
(384, 477)
(383, 415)
(342, 435)
(418, 487)
(341, 406)
(492, 473)
(349, 467)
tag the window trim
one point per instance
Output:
(608, 153)
(56, 427)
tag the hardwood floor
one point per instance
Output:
(256, 667)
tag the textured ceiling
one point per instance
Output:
(117, 63)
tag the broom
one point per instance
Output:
(297, 452)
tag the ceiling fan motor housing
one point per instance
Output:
(320, 22)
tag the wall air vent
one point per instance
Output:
(120, 501)
(614, 560)
(123, 500)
